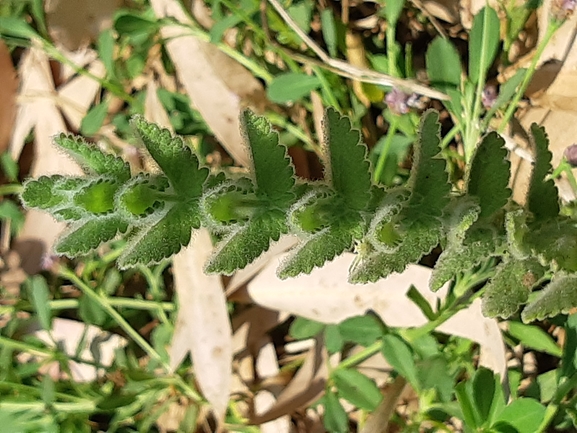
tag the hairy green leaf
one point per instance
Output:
(273, 171)
(97, 197)
(178, 162)
(347, 169)
(55, 194)
(559, 296)
(154, 242)
(555, 241)
(317, 250)
(510, 287)
(247, 243)
(488, 176)
(428, 181)
(92, 159)
(483, 43)
(142, 195)
(87, 235)
(542, 197)
(371, 265)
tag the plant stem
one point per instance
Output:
(136, 304)
(106, 306)
(10, 189)
(104, 303)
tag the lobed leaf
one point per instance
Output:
(87, 235)
(247, 243)
(555, 242)
(272, 168)
(462, 258)
(141, 196)
(178, 162)
(559, 296)
(54, 194)
(542, 197)
(154, 242)
(417, 241)
(317, 250)
(97, 197)
(428, 181)
(347, 169)
(488, 176)
(92, 159)
(510, 286)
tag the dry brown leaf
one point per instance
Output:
(76, 96)
(326, 296)
(334, 299)
(307, 385)
(203, 327)
(37, 110)
(153, 109)
(204, 80)
(76, 23)
(9, 81)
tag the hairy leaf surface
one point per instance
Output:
(560, 296)
(273, 171)
(247, 243)
(347, 170)
(488, 177)
(55, 195)
(428, 181)
(317, 250)
(555, 241)
(87, 235)
(154, 242)
(510, 287)
(176, 160)
(92, 159)
(542, 197)
(373, 265)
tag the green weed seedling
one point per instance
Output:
(391, 228)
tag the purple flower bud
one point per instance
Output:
(568, 5)
(397, 101)
(489, 96)
(571, 155)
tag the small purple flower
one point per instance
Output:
(571, 155)
(398, 101)
(568, 5)
(489, 96)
